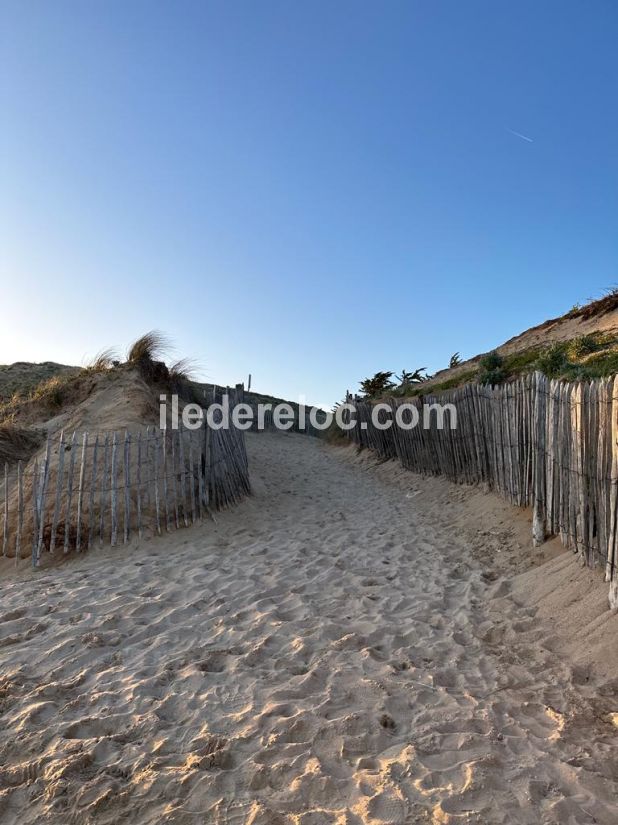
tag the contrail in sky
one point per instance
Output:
(519, 135)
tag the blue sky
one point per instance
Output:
(309, 192)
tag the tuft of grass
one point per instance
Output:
(596, 306)
(53, 391)
(152, 346)
(147, 355)
(103, 361)
(582, 346)
(183, 371)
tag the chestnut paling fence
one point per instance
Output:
(297, 423)
(90, 489)
(548, 444)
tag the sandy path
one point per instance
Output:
(327, 654)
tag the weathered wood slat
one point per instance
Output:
(80, 494)
(114, 490)
(35, 509)
(5, 525)
(165, 468)
(127, 486)
(183, 477)
(93, 489)
(69, 501)
(20, 510)
(58, 496)
(104, 489)
(174, 485)
(155, 458)
(42, 500)
(139, 484)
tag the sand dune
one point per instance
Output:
(338, 649)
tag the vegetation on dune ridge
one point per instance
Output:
(71, 385)
(22, 377)
(582, 358)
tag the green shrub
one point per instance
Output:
(491, 369)
(520, 362)
(378, 385)
(584, 345)
(553, 361)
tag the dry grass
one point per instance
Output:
(20, 379)
(104, 360)
(183, 370)
(152, 346)
(49, 396)
(147, 355)
(596, 306)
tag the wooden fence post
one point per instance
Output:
(20, 510)
(127, 485)
(67, 514)
(139, 483)
(114, 490)
(93, 487)
(80, 493)
(104, 489)
(5, 526)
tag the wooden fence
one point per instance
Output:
(548, 444)
(106, 488)
(298, 424)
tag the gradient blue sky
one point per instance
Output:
(310, 191)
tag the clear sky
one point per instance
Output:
(307, 191)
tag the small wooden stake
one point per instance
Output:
(35, 509)
(67, 513)
(174, 479)
(165, 496)
(20, 510)
(127, 486)
(139, 483)
(192, 479)
(80, 494)
(58, 498)
(104, 483)
(5, 526)
(155, 480)
(93, 487)
(42, 498)
(183, 477)
(114, 490)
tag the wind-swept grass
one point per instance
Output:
(104, 360)
(147, 353)
(152, 346)
(183, 370)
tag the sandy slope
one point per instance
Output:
(329, 653)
